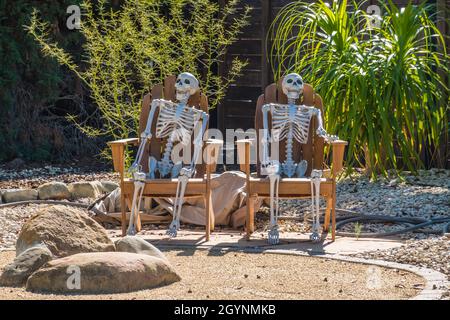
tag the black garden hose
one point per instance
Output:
(415, 223)
(89, 207)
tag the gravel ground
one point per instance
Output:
(431, 253)
(34, 177)
(231, 275)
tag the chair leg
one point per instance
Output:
(250, 219)
(211, 214)
(326, 221)
(333, 214)
(207, 217)
(123, 211)
(138, 223)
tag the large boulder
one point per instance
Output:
(136, 244)
(15, 195)
(91, 189)
(102, 272)
(53, 190)
(65, 231)
(17, 272)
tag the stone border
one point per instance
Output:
(435, 286)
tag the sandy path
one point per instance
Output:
(232, 275)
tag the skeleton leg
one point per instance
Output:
(177, 205)
(139, 183)
(274, 178)
(316, 176)
(145, 136)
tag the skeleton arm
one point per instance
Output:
(265, 140)
(198, 141)
(320, 129)
(146, 134)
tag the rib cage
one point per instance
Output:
(177, 126)
(282, 121)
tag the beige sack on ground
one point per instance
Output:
(228, 198)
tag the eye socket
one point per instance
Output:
(187, 81)
(289, 81)
(299, 81)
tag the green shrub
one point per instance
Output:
(130, 49)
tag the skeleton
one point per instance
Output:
(176, 122)
(290, 122)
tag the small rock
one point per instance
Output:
(54, 191)
(92, 189)
(17, 272)
(15, 195)
(109, 186)
(103, 272)
(136, 244)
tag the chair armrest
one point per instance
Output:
(133, 141)
(118, 153)
(337, 148)
(212, 154)
(243, 150)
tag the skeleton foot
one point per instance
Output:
(173, 229)
(273, 236)
(315, 237)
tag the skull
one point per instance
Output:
(185, 86)
(292, 86)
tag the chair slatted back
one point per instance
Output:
(313, 150)
(156, 146)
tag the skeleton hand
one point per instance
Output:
(187, 172)
(328, 137)
(146, 135)
(139, 176)
(271, 167)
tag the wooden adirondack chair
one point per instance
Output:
(313, 152)
(199, 186)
